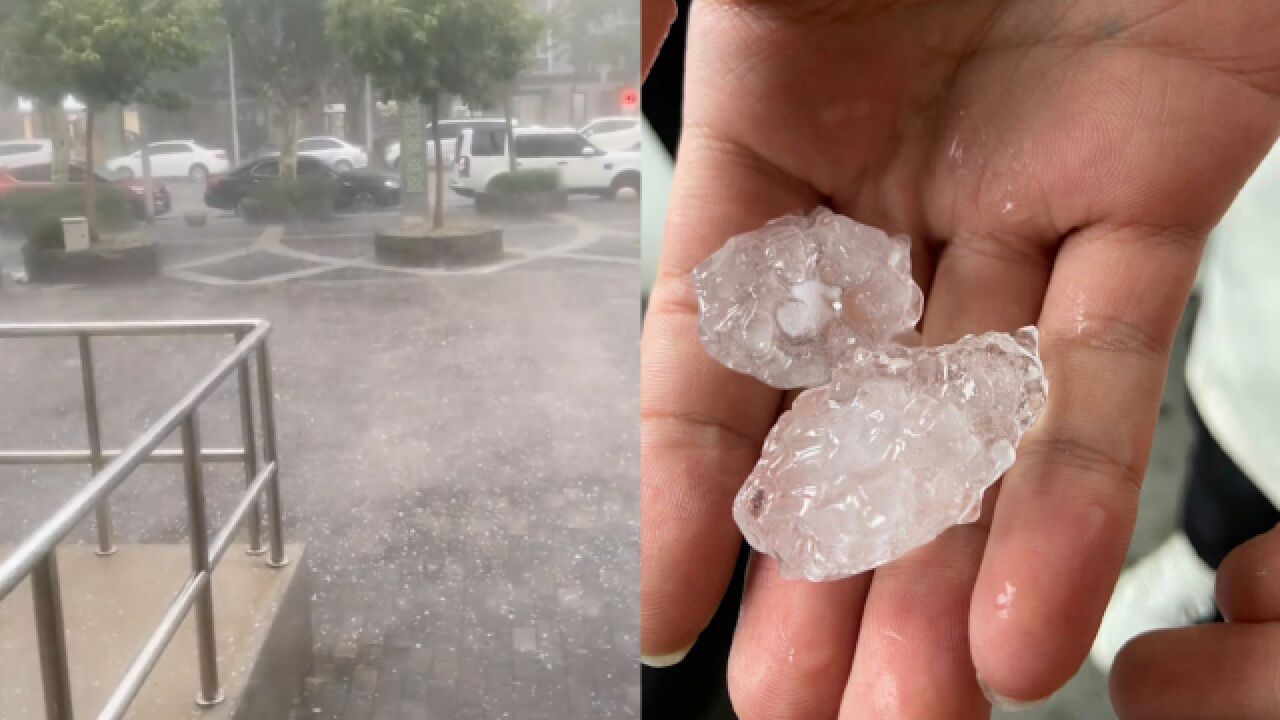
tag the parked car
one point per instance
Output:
(335, 152)
(38, 177)
(449, 132)
(357, 190)
(173, 158)
(615, 133)
(583, 167)
(16, 153)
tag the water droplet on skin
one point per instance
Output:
(1004, 600)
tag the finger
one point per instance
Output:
(912, 659)
(794, 644)
(980, 285)
(701, 424)
(655, 20)
(1066, 508)
(1222, 671)
(1248, 583)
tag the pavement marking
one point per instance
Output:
(581, 235)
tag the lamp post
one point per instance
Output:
(235, 105)
(368, 115)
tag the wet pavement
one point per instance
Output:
(458, 450)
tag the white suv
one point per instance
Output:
(173, 158)
(449, 132)
(583, 168)
(20, 153)
(334, 152)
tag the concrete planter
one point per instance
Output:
(115, 260)
(420, 246)
(521, 203)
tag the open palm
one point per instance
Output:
(1056, 163)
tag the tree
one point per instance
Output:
(282, 50)
(23, 66)
(100, 51)
(508, 33)
(421, 50)
(397, 42)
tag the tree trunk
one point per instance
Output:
(55, 127)
(144, 155)
(573, 91)
(90, 181)
(288, 143)
(512, 160)
(353, 118)
(437, 213)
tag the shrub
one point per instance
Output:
(526, 181)
(306, 198)
(38, 214)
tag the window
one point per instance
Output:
(489, 142)
(565, 145)
(535, 146)
(18, 149)
(499, 127)
(266, 168)
(606, 126)
(309, 145)
(41, 173)
(448, 131)
(169, 148)
(311, 167)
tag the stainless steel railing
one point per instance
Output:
(36, 558)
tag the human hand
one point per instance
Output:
(1220, 671)
(1057, 164)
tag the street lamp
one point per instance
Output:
(235, 105)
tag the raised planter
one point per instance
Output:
(421, 246)
(125, 258)
(521, 203)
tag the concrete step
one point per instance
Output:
(112, 604)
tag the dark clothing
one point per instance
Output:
(1222, 508)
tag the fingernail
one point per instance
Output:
(1000, 702)
(663, 661)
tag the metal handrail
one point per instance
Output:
(36, 556)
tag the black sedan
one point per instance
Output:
(357, 190)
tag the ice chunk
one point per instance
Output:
(784, 303)
(896, 449)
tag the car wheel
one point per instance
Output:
(494, 182)
(363, 202)
(626, 181)
(198, 173)
(245, 210)
(342, 166)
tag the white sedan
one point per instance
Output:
(334, 152)
(173, 158)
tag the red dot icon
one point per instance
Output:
(629, 98)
